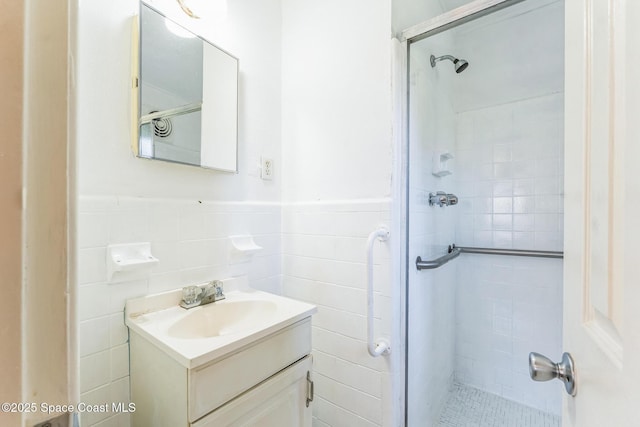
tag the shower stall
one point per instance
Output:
(485, 214)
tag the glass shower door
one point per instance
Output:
(472, 322)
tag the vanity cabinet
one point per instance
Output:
(265, 383)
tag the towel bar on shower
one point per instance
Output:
(454, 251)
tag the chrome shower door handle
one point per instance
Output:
(541, 368)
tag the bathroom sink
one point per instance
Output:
(197, 336)
(223, 318)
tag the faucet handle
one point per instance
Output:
(219, 288)
(190, 294)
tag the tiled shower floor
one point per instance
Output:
(470, 407)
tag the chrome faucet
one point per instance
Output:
(442, 199)
(194, 296)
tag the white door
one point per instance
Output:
(602, 218)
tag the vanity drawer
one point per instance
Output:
(215, 384)
(281, 401)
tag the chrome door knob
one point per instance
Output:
(541, 368)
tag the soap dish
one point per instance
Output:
(243, 248)
(126, 260)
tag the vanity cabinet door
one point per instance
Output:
(279, 401)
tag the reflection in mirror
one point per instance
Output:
(188, 96)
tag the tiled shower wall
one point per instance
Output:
(324, 263)
(190, 238)
(510, 188)
(507, 307)
(509, 171)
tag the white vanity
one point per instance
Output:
(242, 361)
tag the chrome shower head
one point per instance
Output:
(459, 64)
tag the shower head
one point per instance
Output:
(459, 64)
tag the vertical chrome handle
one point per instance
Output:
(541, 368)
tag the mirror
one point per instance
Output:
(188, 96)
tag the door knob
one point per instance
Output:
(541, 368)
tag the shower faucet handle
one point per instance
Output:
(442, 199)
(439, 198)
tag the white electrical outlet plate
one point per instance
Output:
(267, 169)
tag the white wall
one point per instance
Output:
(185, 212)
(407, 13)
(336, 109)
(431, 294)
(337, 162)
(509, 126)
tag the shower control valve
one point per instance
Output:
(438, 199)
(442, 199)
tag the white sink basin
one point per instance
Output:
(199, 335)
(224, 318)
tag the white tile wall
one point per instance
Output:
(511, 187)
(324, 254)
(509, 164)
(190, 239)
(496, 311)
(507, 307)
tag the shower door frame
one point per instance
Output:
(401, 80)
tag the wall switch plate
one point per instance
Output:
(267, 169)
